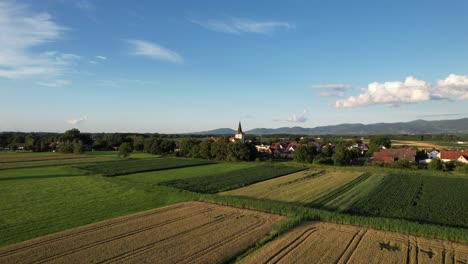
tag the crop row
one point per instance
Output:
(430, 199)
(116, 168)
(233, 179)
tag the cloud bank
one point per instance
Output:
(153, 51)
(410, 91)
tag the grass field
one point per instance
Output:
(22, 158)
(332, 243)
(302, 187)
(40, 201)
(425, 198)
(428, 144)
(164, 235)
(233, 179)
(123, 167)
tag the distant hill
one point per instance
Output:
(457, 126)
(219, 131)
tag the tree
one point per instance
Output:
(205, 149)
(72, 134)
(377, 142)
(435, 164)
(125, 149)
(238, 151)
(305, 154)
(77, 147)
(219, 149)
(344, 154)
(186, 145)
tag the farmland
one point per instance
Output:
(302, 187)
(232, 180)
(140, 165)
(333, 243)
(43, 199)
(163, 235)
(415, 196)
(22, 158)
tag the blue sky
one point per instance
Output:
(181, 66)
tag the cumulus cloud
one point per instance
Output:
(336, 87)
(55, 84)
(409, 91)
(153, 51)
(77, 121)
(454, 85)
(238, 26)
(300, 118)
(23, 31)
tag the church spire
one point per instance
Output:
(239, 129)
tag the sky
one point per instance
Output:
(186, 66)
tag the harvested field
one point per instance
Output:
(20, 158)
(302, 187)
(334, 243)
(185, 232)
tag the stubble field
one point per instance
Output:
(334, 243)
(182, 233)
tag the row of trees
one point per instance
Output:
(342, 153)
(222, 149)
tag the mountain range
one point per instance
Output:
(455, 126)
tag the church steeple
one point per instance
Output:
(239, 128)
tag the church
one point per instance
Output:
(239, 136)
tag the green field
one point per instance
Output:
(233, 179)
(140, 165)
(415, 196)
(51, 196)
(40, 201)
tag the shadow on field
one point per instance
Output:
(37, 177)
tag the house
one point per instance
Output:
(463, 159)
(432, 154)
(391, 155)
(449, 155)
(263, 148)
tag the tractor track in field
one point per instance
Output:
(145, 248)
(288, 248)
(352, 246)
(202, 253)
(94, 229)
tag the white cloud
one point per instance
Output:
(101, 57)
(337, 87)
(85, 5)
(154, 51)
(390, 93)
(23, 31)
(78, 120)
(454, 85)
(331, 94)
(55, 84)
(238, 26)
(300, 118)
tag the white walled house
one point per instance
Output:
(433, 154)
(463, 159)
